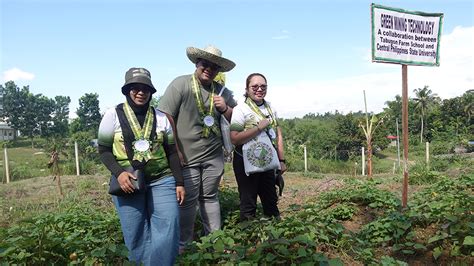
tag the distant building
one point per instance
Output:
(6, 132)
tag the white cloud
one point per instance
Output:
(284, 34)
(16, 74)
(452, 78)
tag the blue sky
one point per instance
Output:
(315, 54)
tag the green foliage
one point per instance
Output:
(93, 237)
(154, 101)
(60, 118)
(316, 133)
(297, 238)
(420, 174)
(304, 236)
(447, 206)
(34, 115)
(387, 230)
(86, 150)
(322, 166)
(25, 162)
(350, 137)
(424, 101)
(362, 193)
(88, 115)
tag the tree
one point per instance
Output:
(394, 111)
(467, 101)
(28, 113)
(424, 99)
(350, 138)
(15, 101)
(88, 114)
(154, 101)
(43, 108)
(61, 116)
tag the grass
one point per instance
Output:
(27, 198)
(25, 162)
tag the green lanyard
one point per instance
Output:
(208, 120)
(142, 144)
(257, 111)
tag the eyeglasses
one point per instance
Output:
(207, 64)
(135, 90)
(255, 87)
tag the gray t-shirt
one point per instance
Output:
(179, 101)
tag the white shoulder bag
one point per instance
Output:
(259, 155)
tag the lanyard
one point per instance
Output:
(142, 135)
(202, 110)
(257, 111)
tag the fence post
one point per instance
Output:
(305, 160)
(5, 163)
(428, 154)
(398, 145)
(76, 151)
(363, 161)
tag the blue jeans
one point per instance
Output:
(150, 223)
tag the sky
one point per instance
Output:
(316, 55)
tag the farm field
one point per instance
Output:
(326, 218)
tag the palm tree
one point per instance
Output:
(424, 99)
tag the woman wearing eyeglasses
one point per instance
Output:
(250, 119)
(133, 138)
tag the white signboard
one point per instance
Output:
(405, 37)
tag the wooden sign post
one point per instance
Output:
(407, 38)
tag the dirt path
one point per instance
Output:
(298, 188)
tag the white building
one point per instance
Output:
(6, 132)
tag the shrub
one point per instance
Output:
(421, 174)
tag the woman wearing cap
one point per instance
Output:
(193, 103)
(135, 136)
(254, 117)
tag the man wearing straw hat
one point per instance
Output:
(194, 104)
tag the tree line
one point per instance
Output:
(35, 115)
(340, 136)
(329, 136)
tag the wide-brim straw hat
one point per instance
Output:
(211, 54)
(137, 75)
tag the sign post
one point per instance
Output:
(407, 38)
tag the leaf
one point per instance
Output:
(419, 246)
(219, 246)
(437, 251)
(437, 238)
(407, 251)
(468, 241)
(270, 257)
(335, 262)
(301, 252)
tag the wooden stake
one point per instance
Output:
(76, 151)
(428, 155)
(405, 134)
(305, 160)
(5, 163)
(363, 161)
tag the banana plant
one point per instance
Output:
(369, 131)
